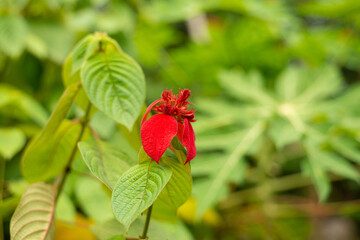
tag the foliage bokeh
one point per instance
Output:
(275, 85)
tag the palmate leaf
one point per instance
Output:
(34, 216)
(115, 84)
(214, 187)
(105, 161)
(137, 189)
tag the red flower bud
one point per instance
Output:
(173, 118)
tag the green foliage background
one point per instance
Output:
(276, 89)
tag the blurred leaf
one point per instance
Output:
(318, 176)
(105, 161)
(13, 32)
(12, 141)
(37, 203)
(346, 148)
(215, 185)
(91, 194)
(176, 191)
(236, 84)
(45, 158)
(65, 209)
(146, 180)
(115, 84)
(15, 99)
(74, 231)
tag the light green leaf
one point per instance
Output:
(46, 157)
(65, 209)
(118, 237)
(115, 84)
(137, 189)
(11, 141)
(288, 83)
(213, 188)
(34, 217)
(105, 161)
(346, 148)
(15, 99)
(13, 32)
(332, 162)
(176, 192)
(236, 84)
(93, 198)
(318, 176)
(325, 82)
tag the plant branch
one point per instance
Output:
(147, 223)
(60, 183)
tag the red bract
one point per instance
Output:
(173, 118)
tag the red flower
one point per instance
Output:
(172, 119)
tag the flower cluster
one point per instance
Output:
(173, 118)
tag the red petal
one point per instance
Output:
(180, 132)
(189, 140)
(157, 133)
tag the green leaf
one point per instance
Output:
(17, 100)
(82, 51)
(47, 156)
(137, 189)
(34, 217)
(13, 32)
(346, 148)
(288, 83)
(236, 84)
(332, 162)
(213, 188)
(324, 83)
(12, 141)
(319, 178)
(176, 192)
(65, 208)
(90, 195)
(118, 237)
(115, 84)
(105, 161)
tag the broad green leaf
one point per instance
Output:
(213, 188)
(46, 157)
(93, 199)
(105, 161)
(115, 84)
(318, 176)
(137, 189)
(82, 51)
(332, 162)
(13, 32)
(236, 84)
(11, 141)
(176, 192)
(34, 217)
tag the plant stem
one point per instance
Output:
(84, 121)
(147, 223)
(2, 177)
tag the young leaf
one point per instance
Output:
(11, 141)
(46, 157)
(115, 84)
(105, 161)
(318, 176)
(137, 189)
(34, 216)
(176, 192)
